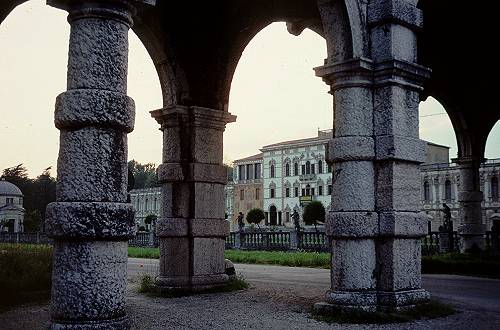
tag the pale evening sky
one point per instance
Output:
(274, 93)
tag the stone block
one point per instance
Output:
(398, 186)
(92, 165)
(172, 227)
(172, 147)
(403, 224)
(208, 256)
(353, 265)
(396, 111)
(393, 41)
(90, 220)
(351, 148)
(98, 55)
(170, 172)
(174, 260)
(399, 264)
(94, 107)
(393, 147)
(353, 186)
(207, 145)
(353, 112)
(395, 11)
(211, 173)
(176, 200)
(352, 224)
(209, 227)
(89, 280)
(470, 196)
(209, 200)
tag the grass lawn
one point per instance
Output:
(25, 274)
(453, 263)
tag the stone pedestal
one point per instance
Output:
(471, 228)
(91, 221)
(192, 228)
(375, 223)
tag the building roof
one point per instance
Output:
(9, 189)
(250, 158)
(437, 145)
(322, 137)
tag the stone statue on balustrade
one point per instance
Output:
(241, 224)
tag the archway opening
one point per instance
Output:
(34, 39)
(284, 118)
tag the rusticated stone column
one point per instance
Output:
(470, 197)
(192, 228)
(91, 221)
(352, 222)
(398, 83)
(375, 223)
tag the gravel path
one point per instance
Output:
(265, 305)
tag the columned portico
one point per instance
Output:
(192, 228)
(375, 222)
(91, 220)
(470, 197)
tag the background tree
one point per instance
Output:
(255, 216)
(314, 213)
(144, 174)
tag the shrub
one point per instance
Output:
(255, 216)
(314, 213)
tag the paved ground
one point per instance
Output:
(279, 298)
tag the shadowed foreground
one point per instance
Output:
(279, 298)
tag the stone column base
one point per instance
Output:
(348, 301)
(121, 323)
(192, 283)
(402, 300)
(371, 302)
(472, 237)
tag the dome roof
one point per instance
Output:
(9, 189)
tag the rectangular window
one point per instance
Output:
(312, 191)
(303, 169)
(257, 171)
(330, 189)
(296, 192)
(241, 172)
(303, 192)
(271, 192)
(242, 194)
(287, 217)
(10, 201)
(257, 193)
(250, 172)
(329, 168)
(287, 192)
(313, 168)
(320, 190)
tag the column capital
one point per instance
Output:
(173, 116)
(356, 72)
(121, 10)
(399, 12)
(397, 72)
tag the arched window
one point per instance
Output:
(308, 167)
(320, 166)
(287, 169)
(427, 191)
(272, 171)
(447, 190)
(295, 168)
(494, 187)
